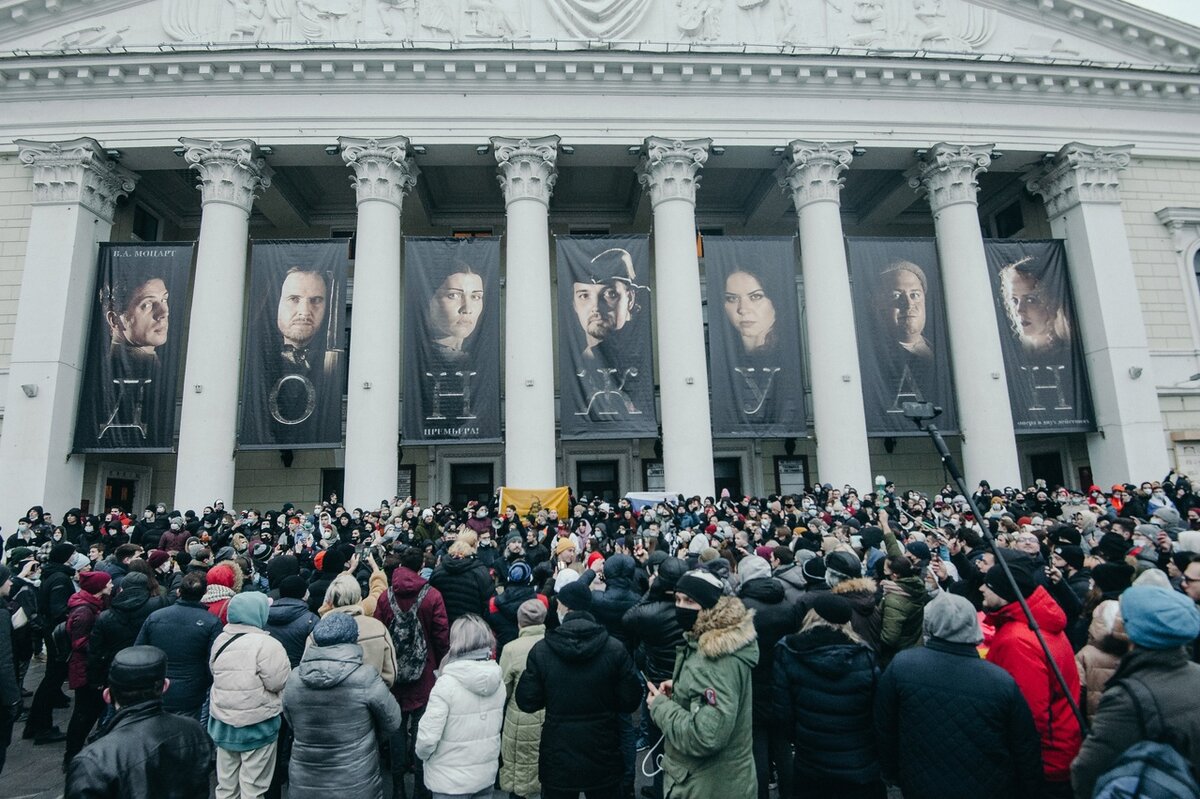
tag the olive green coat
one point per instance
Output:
(522, 733)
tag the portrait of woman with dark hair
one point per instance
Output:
(453, 311)
(750, 310)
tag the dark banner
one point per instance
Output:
(901, 326)
(135, 346)
(294, 373)
(756, 372)
(1043, 357)
(606, 366)
(452, 340)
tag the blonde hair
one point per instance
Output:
(812, 620)
(343, 592)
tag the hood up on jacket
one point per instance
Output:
(407, 583)
(578, 638)
(285, 611)
(480, 677)
(827, 651)
(1046, 612)
(767, 590)
(135, 592)
(619, 570)
(726, 629)
(325, 667)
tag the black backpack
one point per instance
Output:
(409, 639)
(1152, 768)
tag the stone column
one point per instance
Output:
(814, 178)
(75, 189)
(527, 170)
(670, 170)
(383, 174)
(1081, 188)
(231, 172)
(947, 173)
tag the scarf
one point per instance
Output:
(215, 593)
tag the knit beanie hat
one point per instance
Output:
(752, 567)
(252, 608)
(531, 612)
(335, 628)
(813, 570)
(157, 557)
(576, 596)
(1112, 578)
(669, 573)
(94, 582)
(1021, 566)
(77, 562)
(292, 587)
(952, 618)
(701, 586)
(520, 574)
(562, 545)
(61, 553)
(18, 554)
(1072, 554)
(1159, 618)
(1112, 547)
(833, 608)
(564, 578)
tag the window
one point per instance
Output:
(146, 226)
(589, 230)
(478, 233)
(728, 475)
(597, 480)
(470, 481)
(653, 478)
(1008, 221)
(406, 481)
(791, 474)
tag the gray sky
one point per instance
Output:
(1186, 10)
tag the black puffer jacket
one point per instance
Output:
(824, 693)
(580, 749)
(118, 627)
(651, 628)
(289, 621)
(465, 586)
(774, 617)
(947, 689)
(502, 612)
(609, 606)
(53, 593)
(143, 753)
(186, 632)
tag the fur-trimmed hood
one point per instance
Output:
(724, 629)
(858, 584)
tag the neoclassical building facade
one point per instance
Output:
(375, 120)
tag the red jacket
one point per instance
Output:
(83, 609)
(406, 584)
(1015, 649)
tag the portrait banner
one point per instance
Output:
(135, 348)
(606, 365)
(451, 340)
(901, 325)
(755, 366)
(1043, 356)
(294, 369)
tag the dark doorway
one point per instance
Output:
(333, 481)
(727, 474)
(118, 493)
(1047, 466)
(597, 480)
(470, 481)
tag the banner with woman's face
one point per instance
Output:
(755, 369)
(901, 326)
(135, 346)
(451, 340)
(1043, 356)
(606, 368)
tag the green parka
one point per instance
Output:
(707, 719)
(522, 733)
(903, 616)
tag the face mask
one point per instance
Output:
(686, 617)
(22, 527)
(176, 527)
(87, 528)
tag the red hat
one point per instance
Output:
(94, 581)
(221, 574)
(592, 558)
(319, 560)
(1025, 520)
(712, 528)
(157, 557)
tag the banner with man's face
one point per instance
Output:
(294, 370)
(451, 340)
(135, 346)
(1043, 356)
(901, 326)
(755, 366)
(606, 369)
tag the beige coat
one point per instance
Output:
(248, 677)
(375, 640)
(522, 732)
(1098, 661)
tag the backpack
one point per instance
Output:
(409, 639)
(1151, 768)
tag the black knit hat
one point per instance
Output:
(1022, 568)
(702, 586)
(61, 553)
(833, 608)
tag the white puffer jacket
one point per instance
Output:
(459, 735)
(248, 676)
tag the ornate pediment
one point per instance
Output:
(1090, 30)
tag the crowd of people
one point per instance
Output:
(830, 643)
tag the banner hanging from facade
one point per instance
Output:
(755, 367)
(1043, 356)
(135, 346)
(294, 374)
(606, 366)
(531, 500)
(452, 340)
(901, 326)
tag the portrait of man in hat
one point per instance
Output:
(605, 298)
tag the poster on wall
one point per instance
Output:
(1043, 356)
(451, 340)
(294, 372)
(135, 348)
(606, 366)
(755, 367)
(901, 325)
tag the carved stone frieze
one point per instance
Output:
(230, 172)
(670, 168)
(383, 169)
(76, 171)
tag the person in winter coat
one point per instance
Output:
(409, 591)
(345, 596)
(579, 750)
(1015, 649)
(522, 733)
(946, 687)
(119, 625)
(85, 605)
(289, 621)
(824, 691)
(503, 608)
(1155, 688)
(10, 688)
(185, 631)
(904, 599)
(250, 670)
(705, 711)
(459, 734)
(224, 583)
(868, 618)
(464, 583)
(54, 593)
(774, 618)
(332, 696)
(142, 752)
(1107, 644)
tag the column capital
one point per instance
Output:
(1081, 173)
(231, 171)
(528, 167)
(75, 171)
(670, 168)
(383, 168)
(948, 172)
(813, 169)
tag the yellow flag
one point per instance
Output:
(531, 500)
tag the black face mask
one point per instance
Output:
(686, 617)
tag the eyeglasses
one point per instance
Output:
(1187, 579)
